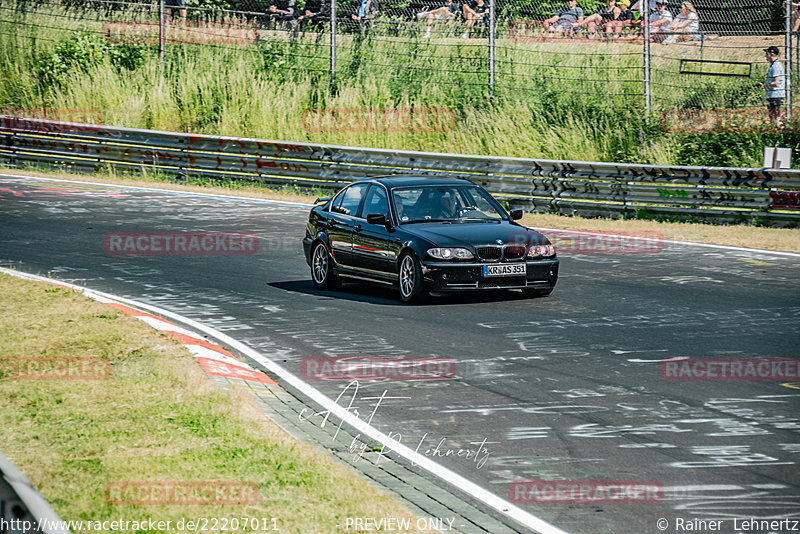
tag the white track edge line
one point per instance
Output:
(497, 503)
(143, 188)
(301, 204)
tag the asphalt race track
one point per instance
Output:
(565, 388)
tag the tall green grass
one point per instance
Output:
(270, 89)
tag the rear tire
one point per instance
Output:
(322, 268)
(412, 289)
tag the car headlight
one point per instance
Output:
(540, 251)
(450, 253)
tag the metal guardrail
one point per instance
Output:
(568, 187)
(22, 509)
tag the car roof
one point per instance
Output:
(410, 181)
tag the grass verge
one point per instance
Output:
(740, 236)
(156, 418)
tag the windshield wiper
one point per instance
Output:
(428, 220)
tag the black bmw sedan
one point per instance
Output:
(422, 234)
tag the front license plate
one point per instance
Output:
(512, 269)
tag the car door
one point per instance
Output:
(375, 247)
(341, 222)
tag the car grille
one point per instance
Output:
(507, 252)
(489, 253)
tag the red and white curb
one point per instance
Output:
(330, 407)
(214, 359)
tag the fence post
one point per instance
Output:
(647, 85)
(333, 45)
(788, 58)
(492, 28)
(162, 37)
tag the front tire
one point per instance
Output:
(412, 289)
(322, 268)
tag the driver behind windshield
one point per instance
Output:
(447, 206)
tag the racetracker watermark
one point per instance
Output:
(730, 369)
(724, 120)
(365, 368)
(180, 493)
(180, 243)
(54, 369)
(646, 242)
(379, 120)
(585, 492)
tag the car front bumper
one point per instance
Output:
(452, 276)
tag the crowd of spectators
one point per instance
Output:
(611, 19)
(618, 16)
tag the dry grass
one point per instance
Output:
(156, 418)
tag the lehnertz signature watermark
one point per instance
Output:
(474, 451)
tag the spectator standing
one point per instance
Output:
(659, 21)
(449, 11)
(774, 85)
(685, 26)
(565, 19)
(475, 11)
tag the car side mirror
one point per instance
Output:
(376, 218)
(516, 214)
(380, 219)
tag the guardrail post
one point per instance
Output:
(492, 28)
(647, 85)
(333, 45)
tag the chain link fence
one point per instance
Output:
(470, 47)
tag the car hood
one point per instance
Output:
(459, 234)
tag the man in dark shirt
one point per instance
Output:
(565, 18)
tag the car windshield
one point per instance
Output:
(444, 203)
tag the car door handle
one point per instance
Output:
(357, 228)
